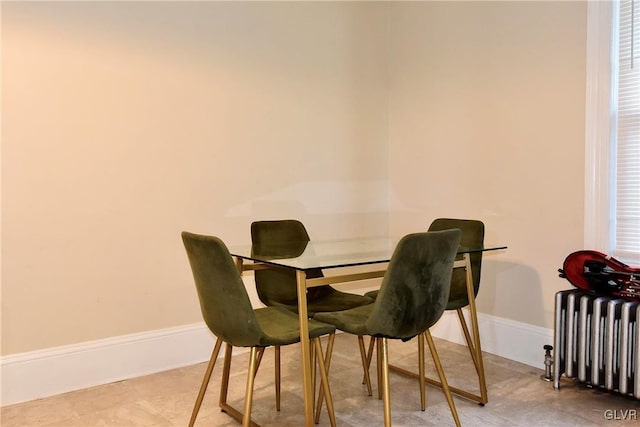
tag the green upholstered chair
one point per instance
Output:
(472, 237)
(228, 313)
(413, 295)
(288, 238)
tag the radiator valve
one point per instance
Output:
(548, 362)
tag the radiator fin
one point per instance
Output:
(597, 341)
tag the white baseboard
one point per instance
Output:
(507, 338)
(38, 374)
(42, 373)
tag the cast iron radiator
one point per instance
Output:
(597, 341)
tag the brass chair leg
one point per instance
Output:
(479, 398)
(327, 363)
(259, 359)
(324, 380)
(467, 337)
(443, 379)
(372, 342)
(224, 388)
(379, 358)
(386, 392)
(224, 384)
(421, 373)
(246, 417)
(476, 354)
(205, 381)
(278, 376)
(365, 364)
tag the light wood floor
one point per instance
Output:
(517, 396)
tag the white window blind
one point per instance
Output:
(627, 133)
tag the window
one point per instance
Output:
(612, 196)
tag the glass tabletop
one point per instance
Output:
(300, 255)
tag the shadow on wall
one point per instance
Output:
(512, 290)
(328, 212)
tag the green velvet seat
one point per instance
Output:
(472, 237)
(228, 313)
(413, 295)
(288, 238)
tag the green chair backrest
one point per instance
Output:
(415, 289)
(224, 301)
(472, 237)
(281, 238)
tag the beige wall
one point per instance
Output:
(487, 121)
(125, 123)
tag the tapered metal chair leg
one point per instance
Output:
(248, 398)
(205, 381)
(386, 392)
(467, 337)
(421, 372)
(224, 384)
(324, 380)
(475, 351)
(365, 364)
(379, 358)
(259, 360)
(372, 343)
(327, 364)
(278, 376)
(443, 379)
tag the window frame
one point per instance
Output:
(601, 127)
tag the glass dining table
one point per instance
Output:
(341, 255)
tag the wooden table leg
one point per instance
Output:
(307, 385)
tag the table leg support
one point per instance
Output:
(307, 384)
(473, 314)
